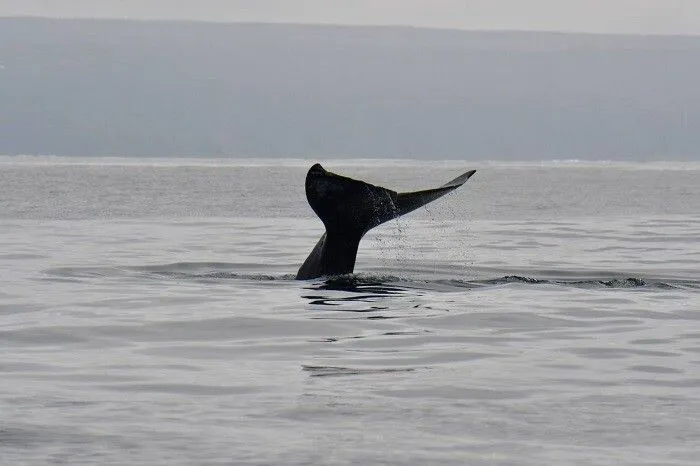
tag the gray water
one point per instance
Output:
(541, 314)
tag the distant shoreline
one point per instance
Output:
(348, 25)
(154, 88)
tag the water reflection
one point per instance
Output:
(353, 293)
(335, 371)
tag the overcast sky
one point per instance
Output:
(599, 16)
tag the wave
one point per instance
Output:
(380, 283)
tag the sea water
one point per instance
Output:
(544, 313)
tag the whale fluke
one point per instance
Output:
(350, 208)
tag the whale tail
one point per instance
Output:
(407, 202)
(350, 208)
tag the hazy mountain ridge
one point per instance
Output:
(105, 87)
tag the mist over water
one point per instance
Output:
(540, 314)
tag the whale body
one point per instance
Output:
(350, 208)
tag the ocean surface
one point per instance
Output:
(544, 313)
